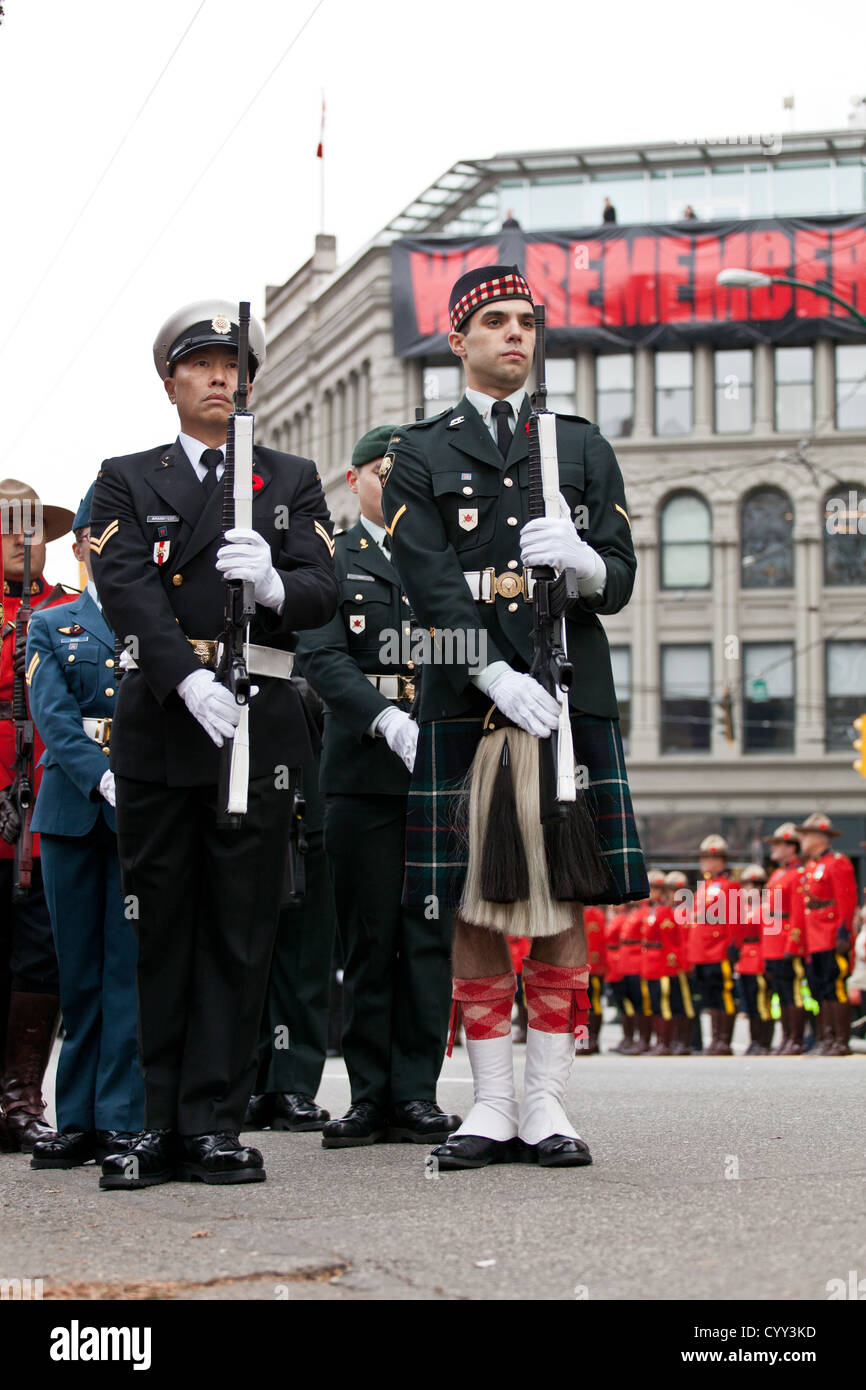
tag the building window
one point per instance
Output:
(442, 388)
(794, 403)
(561, 385)
(620, 660)
(685, 712)
(614, 395)
(767, 540)
(686, 551)
(850, 388)
(768, 697)
(845, 536)
(734, 392)
(673, 393)
(845, 664)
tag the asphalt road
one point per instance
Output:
(712, 1178)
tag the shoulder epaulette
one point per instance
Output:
(430, 419)
(578, 419)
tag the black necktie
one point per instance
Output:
(502, 415)
(386, 543)
(210, 459)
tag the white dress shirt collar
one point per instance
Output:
(194, 448)
(484, 405)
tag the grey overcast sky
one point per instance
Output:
(188, 209)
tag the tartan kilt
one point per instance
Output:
(438, 805)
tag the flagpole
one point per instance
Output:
(321, 154)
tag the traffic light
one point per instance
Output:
(726, 716)
(859, 763)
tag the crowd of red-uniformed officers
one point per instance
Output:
(729, 945)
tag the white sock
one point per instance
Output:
(548, 1062)
(494, 1114)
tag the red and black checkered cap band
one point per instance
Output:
(511, 286)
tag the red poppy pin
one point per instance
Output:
(257, 483)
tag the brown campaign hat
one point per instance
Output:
(823, 824)
(714, 844)
(21, 506)
(784, 833)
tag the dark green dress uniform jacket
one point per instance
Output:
(453, 504)
(144, 500)
(337, 658)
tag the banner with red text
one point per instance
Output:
(615, 287)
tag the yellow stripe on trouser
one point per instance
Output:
(687, 994)
(627, 1006)
(763, 1009)
(728, 987)
(595, 984)
(799, 972)
(841, 991)
(645, 999)
(666, 996)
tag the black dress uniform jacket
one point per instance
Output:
(337, 658)
(140, 503)
(454, 504)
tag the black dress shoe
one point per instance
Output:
(297, 1111)
(420, 1122)
(218, 1158)
(68, 1150)
(260, 1111)
(559, 1151)
(364, 1123)
(151, 1160)
(473, 1151)
(112, 1141)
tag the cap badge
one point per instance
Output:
(221, 324)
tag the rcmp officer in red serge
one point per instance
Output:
(397, 974)
(829, 900)
(783, 941)
(455, 501)
(207, 897)
(713, 940)
(28, 964)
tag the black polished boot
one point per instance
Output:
(363, 1123)
(420, 1122)
(218, 1158)
(298, 1111)
(150, 1160)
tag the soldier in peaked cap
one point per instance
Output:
(829, 901)
(396, 977)
(28, 964)
(456, 506)
(207, 897)
(72, 680)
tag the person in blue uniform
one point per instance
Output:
(72, 679)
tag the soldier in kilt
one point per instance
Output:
(455, 502)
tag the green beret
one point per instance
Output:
(372, 445)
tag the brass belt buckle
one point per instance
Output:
(509, 584)
(102, 731)
(407, 687)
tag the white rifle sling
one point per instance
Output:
(239, 766)
(549, 463)
(565, 784)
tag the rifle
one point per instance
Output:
(577, 870)
(240, 599)
(23, 793)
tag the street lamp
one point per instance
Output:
(755, 279)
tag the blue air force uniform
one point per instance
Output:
(72, 678)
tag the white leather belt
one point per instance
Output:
(261, 661)
(487, 585)
(97, 729)
(394, 687)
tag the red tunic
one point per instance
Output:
(631, 940)
(785, 881)
(661, 942)
(750, 940)
(715, 922)
(830, 898)
(594, 926)
(11, 604)
(612, 947)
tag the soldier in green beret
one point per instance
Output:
(397, 974)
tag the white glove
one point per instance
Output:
(106, 787)
(400, 732)
(522, 699)
(548, 541)
(247, 555)
(208, 701)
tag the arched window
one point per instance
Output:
(766, 540)
(686, 551)
(845, 535)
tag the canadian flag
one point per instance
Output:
(320, 149)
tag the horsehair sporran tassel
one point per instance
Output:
(504, 870)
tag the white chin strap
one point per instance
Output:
(545, 1079)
